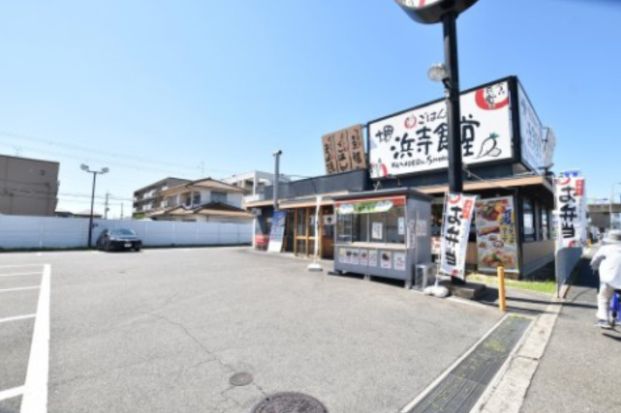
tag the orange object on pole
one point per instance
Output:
(502, 299)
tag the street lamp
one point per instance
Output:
(612, 199)
(445, 11)
(102, 171)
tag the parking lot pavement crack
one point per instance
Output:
(194, 339)
(204, 348)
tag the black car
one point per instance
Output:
(118, 239)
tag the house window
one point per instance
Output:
(187, 199)
(218, 197)
(196, 198)
(528, 217)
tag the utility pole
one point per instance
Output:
(276, 177)
(121, 210)
(106, 203)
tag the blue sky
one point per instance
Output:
(156, 88)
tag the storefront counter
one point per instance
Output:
(383, 233)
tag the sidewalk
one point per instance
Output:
(580, 369)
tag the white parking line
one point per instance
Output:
(35, 389)
(10, 290)
(16, 318)
(10, 393)
(17, 274)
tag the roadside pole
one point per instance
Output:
(502, 298)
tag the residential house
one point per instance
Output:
(149, 198)
(254, 183)
(202, 200)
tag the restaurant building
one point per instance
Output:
(506, 151)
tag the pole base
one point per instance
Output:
(315, 266)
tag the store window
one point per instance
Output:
(300, 219)
(545, 223)
(372, 221)
(311, 223)
(362, 223)
(528, 218)
(344, 224)
(395, 225)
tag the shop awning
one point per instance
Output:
(258, 204)
(513, 182)
(305, 202)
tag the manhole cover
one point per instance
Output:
(240, 379)
(289, 402)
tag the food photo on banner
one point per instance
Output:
(570, 211)
(458, 209)
(496, 234)
(416, 140)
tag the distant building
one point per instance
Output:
(599, 214)
(202, 200)
(149, 198)
(254, 183)
(28, 186)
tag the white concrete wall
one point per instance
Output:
(25, 232)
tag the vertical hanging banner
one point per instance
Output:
(277, 232)
(570, 211)
(458, 210)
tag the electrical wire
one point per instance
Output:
(74, 147)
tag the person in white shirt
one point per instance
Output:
(608, 260)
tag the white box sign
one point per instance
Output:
(417, 140)
(533, 143)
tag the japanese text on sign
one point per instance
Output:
(570, 211)
(344, 150)
(417, 140)
(458, 210)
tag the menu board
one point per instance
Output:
(386, 260)
(364, 258)
(372, 258)
(399, 260)
(496, 234)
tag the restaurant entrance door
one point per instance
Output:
(304, 231)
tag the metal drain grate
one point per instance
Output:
(289, 402)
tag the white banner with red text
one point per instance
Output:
(571, 220)
(458, 210)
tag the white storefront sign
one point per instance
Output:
(570, 211)
(458, 210)
(417, 140)
(532, 133)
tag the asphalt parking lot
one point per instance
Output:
(164, 330)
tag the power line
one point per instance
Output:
(81, 148)
(97, 159)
